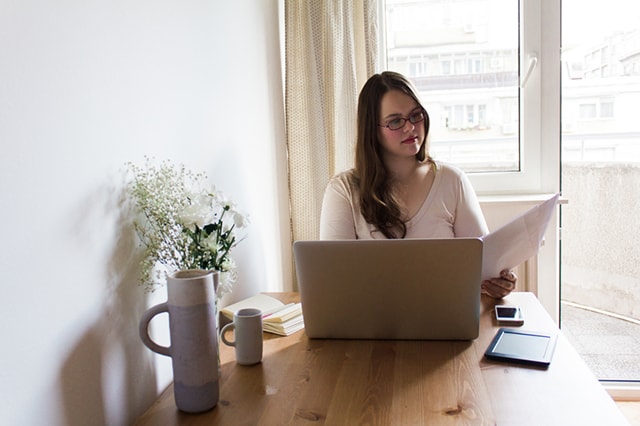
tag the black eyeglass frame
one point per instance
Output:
(421, 112)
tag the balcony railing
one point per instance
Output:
(467, 81)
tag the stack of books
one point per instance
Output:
(277, 318)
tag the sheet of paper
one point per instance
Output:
(518, 240)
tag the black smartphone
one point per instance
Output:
(509, 315)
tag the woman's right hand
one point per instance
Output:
(501, 286)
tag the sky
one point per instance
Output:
(592, 20)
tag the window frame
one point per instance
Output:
(540, 133)
(539, 112)
(539, 121)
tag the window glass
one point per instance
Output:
(463, 57)
(600, 277)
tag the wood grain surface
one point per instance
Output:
(366, 382)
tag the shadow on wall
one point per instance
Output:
(109, 374)
(600, 224)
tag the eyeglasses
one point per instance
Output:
(399, 122)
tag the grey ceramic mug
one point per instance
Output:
(247, 327)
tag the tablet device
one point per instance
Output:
(528, 347)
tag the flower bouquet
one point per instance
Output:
(183, 223)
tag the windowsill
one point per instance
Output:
(522, 199)
(622, 391)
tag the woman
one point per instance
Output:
(396, 190)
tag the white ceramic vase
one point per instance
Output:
(191, 306)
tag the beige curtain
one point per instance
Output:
(330, 49)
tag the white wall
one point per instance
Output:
(85, 86)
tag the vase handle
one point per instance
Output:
(144, 329)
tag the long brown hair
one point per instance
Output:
(378, 204)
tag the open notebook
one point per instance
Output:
(390, 289)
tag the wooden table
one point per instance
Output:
(355, 382)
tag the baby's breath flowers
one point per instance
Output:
(182, 223)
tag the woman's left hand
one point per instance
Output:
(501, 286)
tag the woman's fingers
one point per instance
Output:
(501, 286)
(508, 275)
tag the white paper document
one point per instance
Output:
(517, 241)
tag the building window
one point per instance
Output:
(587, 111)
(606, 109)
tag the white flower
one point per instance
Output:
(184, 223)
(240, 220)
(211, 244)
(196, 214)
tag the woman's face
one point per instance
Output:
(405, 141)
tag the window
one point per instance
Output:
(600, 175)
(468, 59)
(446, 67)
(514, 145)
(508, 101)
(587, 111)
(482, 116)
(606, 109)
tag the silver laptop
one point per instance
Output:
(410, 289)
